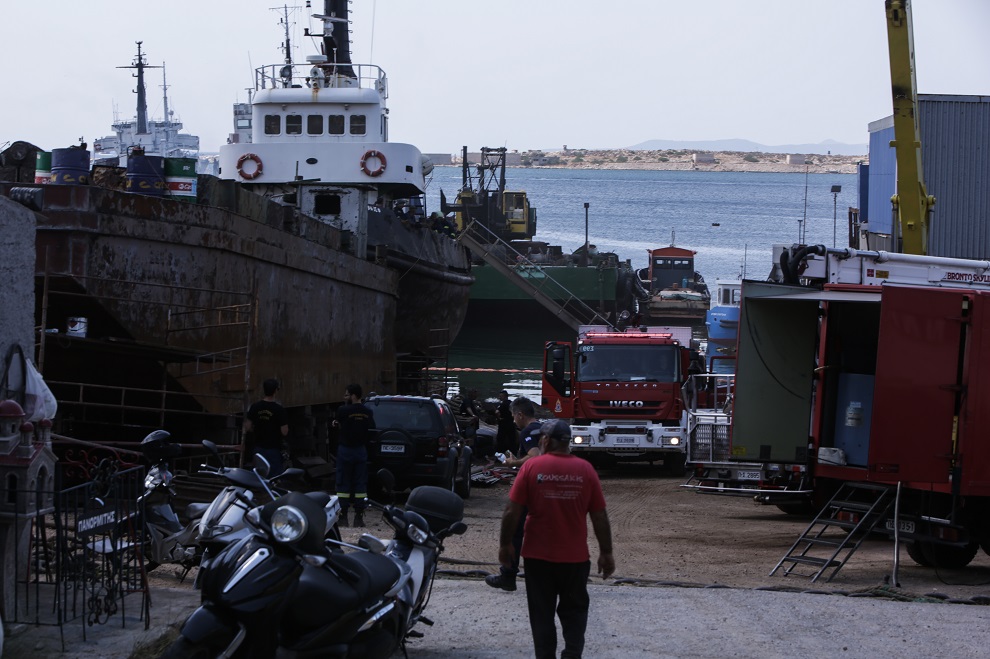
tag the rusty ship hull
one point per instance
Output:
(189, 306)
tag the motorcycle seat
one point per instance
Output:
(195, 510)
(319, 497)
(324, 595)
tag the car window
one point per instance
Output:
(448, 420)
(412, 416)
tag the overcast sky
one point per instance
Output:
(524, 74)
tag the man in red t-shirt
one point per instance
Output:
(559, 490)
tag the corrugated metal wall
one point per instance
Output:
(955, 152)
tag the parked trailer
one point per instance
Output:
(871, 369)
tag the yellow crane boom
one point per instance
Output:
(912, 205)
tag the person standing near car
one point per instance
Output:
(559, 491)
(355, 421)
(266, 425)
(524, 417)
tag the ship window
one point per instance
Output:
(273, 124)
(359, 124)
(314, 124)
(326, 204)
(293, 124)
(335, 124)
(243, 123)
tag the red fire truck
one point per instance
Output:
(625, 394)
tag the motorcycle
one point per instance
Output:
(167, 540)
(286, 591)
(212, 525)
(222, 521)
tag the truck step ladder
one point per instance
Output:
(855, 511)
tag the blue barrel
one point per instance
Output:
(145, 175)
(70, 166)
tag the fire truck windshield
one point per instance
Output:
(627, 363)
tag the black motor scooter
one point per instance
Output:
(283, 592)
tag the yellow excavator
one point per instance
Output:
(912, 205)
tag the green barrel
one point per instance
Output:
(43, 167)
(180, 177)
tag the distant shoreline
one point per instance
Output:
(700, 161)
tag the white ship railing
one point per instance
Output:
(366, 76)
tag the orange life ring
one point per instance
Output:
(258, 167)
(373, 154)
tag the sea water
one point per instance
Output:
(731, 219)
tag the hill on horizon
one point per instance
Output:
(746, 146)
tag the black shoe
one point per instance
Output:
(342, 521)
(507, 584)
(358, 519)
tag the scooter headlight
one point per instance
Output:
(288, 524)
(416, 534)
(153, 479)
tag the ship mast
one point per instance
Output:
(166, 148)
(142, 101)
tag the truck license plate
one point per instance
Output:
(625, 439)
(905, 526)
(748, 475)
(393, 448)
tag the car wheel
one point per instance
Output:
(463, 487)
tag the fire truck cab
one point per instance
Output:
(622, 391)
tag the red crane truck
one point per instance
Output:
(875, 368)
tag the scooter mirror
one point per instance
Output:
(291, 472)
(211, 447)
(458, 528)
(261, 465)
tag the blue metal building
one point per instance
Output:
(955, 155)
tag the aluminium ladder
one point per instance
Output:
(856, 508)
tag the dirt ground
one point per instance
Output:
(667, 534)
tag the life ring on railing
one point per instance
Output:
(258, 167)
(381, 160)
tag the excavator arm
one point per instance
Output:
(912, 205)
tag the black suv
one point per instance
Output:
(418, 440)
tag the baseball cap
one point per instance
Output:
(556, 429)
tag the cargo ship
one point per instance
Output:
(304, 260)
(506, 222)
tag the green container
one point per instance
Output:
(43, 167)
(180, 177)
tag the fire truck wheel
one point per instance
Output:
(801, 508)
(917, 553)
(673, 464)
(945, 556)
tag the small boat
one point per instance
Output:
(716, 224)
(677, 291)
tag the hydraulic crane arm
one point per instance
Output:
(912, 205)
